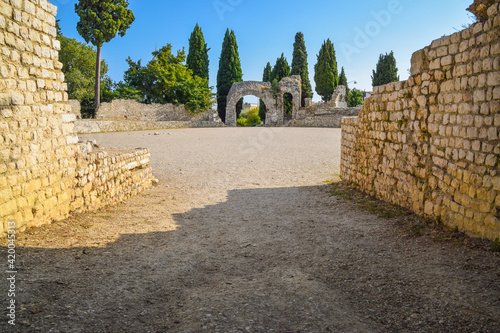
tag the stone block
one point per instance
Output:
(419, 62)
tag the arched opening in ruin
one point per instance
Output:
(287, 107)
(271, 97)
(259, 90)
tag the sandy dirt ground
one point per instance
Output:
(242, 234)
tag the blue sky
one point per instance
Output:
(360, 30)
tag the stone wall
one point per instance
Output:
(322, 115)
(40, 158)
(133, 110)
(328, 114)
(109, 176)
(88, 126)
(431, 143)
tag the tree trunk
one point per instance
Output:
(97, 99)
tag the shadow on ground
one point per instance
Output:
(265, 260)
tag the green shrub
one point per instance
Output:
(250, 118)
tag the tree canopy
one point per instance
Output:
(197, 58)
(228, 73)
(386, 71)
(100, 21)
(300, 66)
(281, 69)
(355, 98)
(326, 73)
(166, 79)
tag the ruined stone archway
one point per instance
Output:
(262, 90)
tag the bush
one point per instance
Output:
(250, 118)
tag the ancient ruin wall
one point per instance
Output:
(37, 142)
(133, 110)
(41, 162)
(431, 143)
(321, 116)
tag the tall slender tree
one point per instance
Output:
(197, 58)
(343, 82)
(386, 71)
(300, 66)
(326, 74)
(100, 22)
(343, 79)
(229, 72)
(266, 77)
(281, 69)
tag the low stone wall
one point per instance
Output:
(431, 143)
(133, 110)
(88, 126)
(108, 176)
(328, 117)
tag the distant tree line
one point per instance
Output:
(184, 79)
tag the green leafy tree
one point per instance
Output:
(356, 98)
(197, 59)
(266, 77)
(386, 71)
(100, 22)
(78, 61)
(124, 91)
(326, 73)
(166, 79)
(300, 66)
(281, 70)
(229, 72)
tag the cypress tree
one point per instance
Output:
(281, 69)
(343, 79)
(300, 66)
(197, 59)
(229, 72)
(326, 74)
(343, 82)
(386, 71)
(266, 77)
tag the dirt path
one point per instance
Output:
(242, 235)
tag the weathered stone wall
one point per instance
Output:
(431, 143)
(322, 115)
(109, 176)
(88, 126)
(76, 108)
(39, 152)
(133, 110)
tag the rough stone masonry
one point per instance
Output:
(431, 143)
(44, 174)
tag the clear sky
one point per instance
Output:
(360, 30)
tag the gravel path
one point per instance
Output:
(243, 235)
